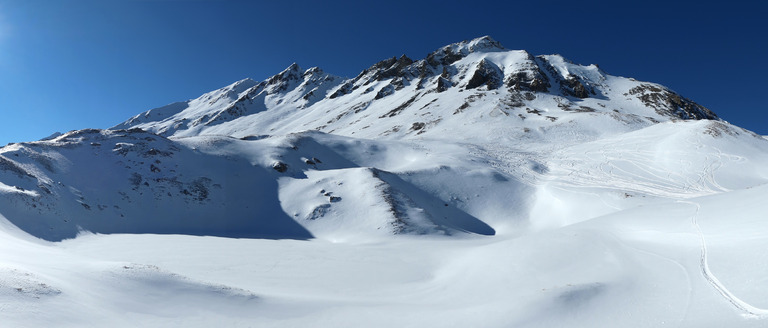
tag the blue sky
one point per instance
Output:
(77, 64)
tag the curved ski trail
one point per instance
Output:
(750, 311)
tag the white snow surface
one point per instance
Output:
(453, 191)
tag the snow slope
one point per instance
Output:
(478, 186)
(137, 182)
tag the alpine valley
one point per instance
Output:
(476, 187)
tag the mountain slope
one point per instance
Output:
(133, 181)
(341, 188)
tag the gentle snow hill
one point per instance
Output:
(683, 264)
(673, 160)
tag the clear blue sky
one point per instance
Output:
(77, 64)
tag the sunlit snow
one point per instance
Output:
(426, 193)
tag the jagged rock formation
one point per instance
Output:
(458, 83)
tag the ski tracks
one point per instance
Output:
(747, 309)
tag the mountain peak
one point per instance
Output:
(484, 43)
(313, 70)
(455, 51)
(497, 83)
(481, 44)
(291, 70)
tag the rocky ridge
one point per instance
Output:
(430, 92)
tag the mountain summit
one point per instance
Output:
(471, 81)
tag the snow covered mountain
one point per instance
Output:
(475, 82)
(478, 182)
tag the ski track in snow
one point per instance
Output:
(708, 177)
(749, 310)
(636, 170)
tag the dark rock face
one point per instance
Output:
(668, 103)
(312, 72)
(450, 54)
(280, 82)
(443, 57)
(488, 74)
(571, 86)
(417, 126)
(528, 80)
(400, 108)
(386, 69)
(385, 91)
(395, 69)
(386, 63)
(280, 167)
(346, 88)
(399, 83)
(443, 84)
(444, 81)
(239, 108)
(422, 69)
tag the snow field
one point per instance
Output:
(636, 268)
